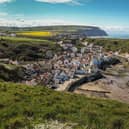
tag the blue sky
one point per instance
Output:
(109, 14)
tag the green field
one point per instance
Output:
(23, 39)
(22, 106)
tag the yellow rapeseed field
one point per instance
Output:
(37, 33)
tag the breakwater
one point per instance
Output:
(85, 79)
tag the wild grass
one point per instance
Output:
(22, 106)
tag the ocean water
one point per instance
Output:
(113, 36)
(118, 36)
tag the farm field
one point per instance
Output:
(36, 33)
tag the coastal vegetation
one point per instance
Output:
(12, 73)
(24, 106)
(26, 48)
(121, 45)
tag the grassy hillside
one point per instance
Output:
(112, 44)
(50, 28)
(22, 106)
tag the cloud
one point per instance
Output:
(5, 1)
(30, 23)
(55, 1)
(116, 29)
(75, 2)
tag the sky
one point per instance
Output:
(112, 15)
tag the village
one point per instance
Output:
(79, 58)
(72, 64)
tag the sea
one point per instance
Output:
(119, 36)
(114, 36)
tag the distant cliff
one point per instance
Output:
(94, 31)
(87, 30)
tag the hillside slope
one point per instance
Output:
(26, 48)
(22, 106)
